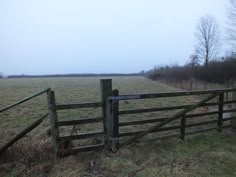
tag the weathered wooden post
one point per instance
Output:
(115, 122)
(233, 114)
(106, 91)
(221, 109)
(53, 119)
(112, 123)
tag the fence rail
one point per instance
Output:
(27, 129)
(170, 94)
(23, 100)
(78, 105)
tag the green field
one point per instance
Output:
(211, 154)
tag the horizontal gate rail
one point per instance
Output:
(201, 123)
(78, 105)
(137, 122)
(230, 118)
(201, 114)
(200, 131)
(136, 111)
(171, 94)
(79, 121)
(129, 123)
(23, 100)
(159, 130)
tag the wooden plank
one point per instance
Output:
(171, 94)
(115, 122)
(80, 136)
(168, 108)
(130, 123)
(121, 124)
(106, 91)
(22, 133)
(63, 153)
(202, 123)
(79, 121)
(23, 100)
(137, 111)
(133, 133)
(226, 126)
(201, 114)
(78, 105)
(230, 102)
(229, 110)
(200, 131)
(230, 118)
(175, 117)
(221, 109)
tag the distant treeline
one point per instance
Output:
(217, 71)
(74, 75)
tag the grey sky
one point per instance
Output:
(99, 36)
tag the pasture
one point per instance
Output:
(210, 154)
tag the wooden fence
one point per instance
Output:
(106, 90)
(112, 136)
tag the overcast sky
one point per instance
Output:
(99, 36)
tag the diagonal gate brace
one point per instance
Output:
(174, 117)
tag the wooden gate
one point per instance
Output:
(116, 139)
(62, 143)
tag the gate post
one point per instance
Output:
(112, 123)
(115, 122)
(233, 114)
(106, 91)
(53, 119)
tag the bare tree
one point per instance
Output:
(208, 39)
(232, 20)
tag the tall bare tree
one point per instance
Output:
(232, 20)
(208, 38)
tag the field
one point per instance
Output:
(210, 154)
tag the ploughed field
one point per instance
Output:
(210, 154)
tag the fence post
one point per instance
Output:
(233, 114)
(220, 116)
(182, 128)
(106, 91)
(53, 119)
(115, 122)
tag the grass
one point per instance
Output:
(211, 154)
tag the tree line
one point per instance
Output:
(218, 71)
(75, 75)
